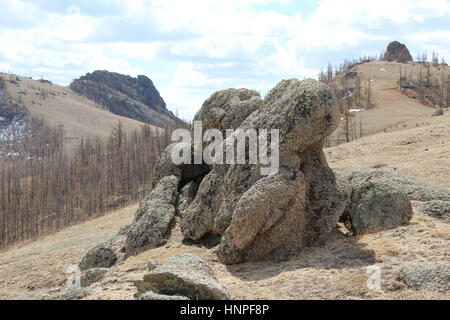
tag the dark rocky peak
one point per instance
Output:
(135, 98)
(397, 52)
(140, 89)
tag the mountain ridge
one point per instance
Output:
(135, 98)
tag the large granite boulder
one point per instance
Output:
(272, 217)
(382, 200)
(413, 188)
(377, 206)
(184, 276)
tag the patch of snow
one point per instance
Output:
(355, 110)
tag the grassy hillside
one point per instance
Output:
(393, 110)
(59, 105)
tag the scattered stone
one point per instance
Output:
(184, 275)
(72, 294)
(151, 296)
(101, 256)
(438, 112)
(436, 208)
(397, 52)
(427, 276)
(92, 276)
(153, 218)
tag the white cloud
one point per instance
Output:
(210, 44)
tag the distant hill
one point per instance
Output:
(58, 106)
(385, 96)
(135, 98)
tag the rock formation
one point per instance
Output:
(275, 216)
(135, 98)
(182, 277)
(259, 217)
(397, 52)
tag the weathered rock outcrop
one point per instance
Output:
(427, 276)
(152, 222)
(135, 98)
(381, 200)
(184, 276)
(397, 52)
(275, 216)
(153, 217)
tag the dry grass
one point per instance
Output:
(27, 268)
(422, 152)
(80, 117)
(394, 111)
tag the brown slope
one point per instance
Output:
(59, 105)
(393, 110)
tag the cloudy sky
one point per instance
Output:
(193, 48)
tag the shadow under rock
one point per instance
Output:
(209, 241)
(337, 252)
